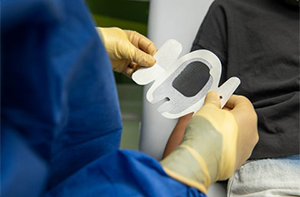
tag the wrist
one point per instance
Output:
(195, 161)
(181, 166)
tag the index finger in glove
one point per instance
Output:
(141, 42)
(238, 102)
(143, 59)
(241, 107)
(127, 51)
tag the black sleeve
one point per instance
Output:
(212, 34)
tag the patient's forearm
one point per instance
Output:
(177, 134)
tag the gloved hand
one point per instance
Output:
(127, 50)
(216, 142)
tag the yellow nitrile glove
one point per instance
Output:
(127, 50)
(216, 142)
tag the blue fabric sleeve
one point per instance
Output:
(58, 89)
(23, 172)
(123, 173)
(60, 108)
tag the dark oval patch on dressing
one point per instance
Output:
(192, 79)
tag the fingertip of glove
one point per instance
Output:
(213, 98)
(146, 60)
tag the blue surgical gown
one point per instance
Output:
(60, 118)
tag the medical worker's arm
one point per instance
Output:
(216, 142)
(60, 98)
(127, 50)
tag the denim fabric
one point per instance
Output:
(267, 178)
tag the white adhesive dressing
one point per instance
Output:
(169, 73)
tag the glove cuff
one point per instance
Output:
(195, 163)
(200, 164)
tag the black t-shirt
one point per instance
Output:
(258, 41)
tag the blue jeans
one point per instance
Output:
(267, 178)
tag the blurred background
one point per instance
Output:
(123, 14)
